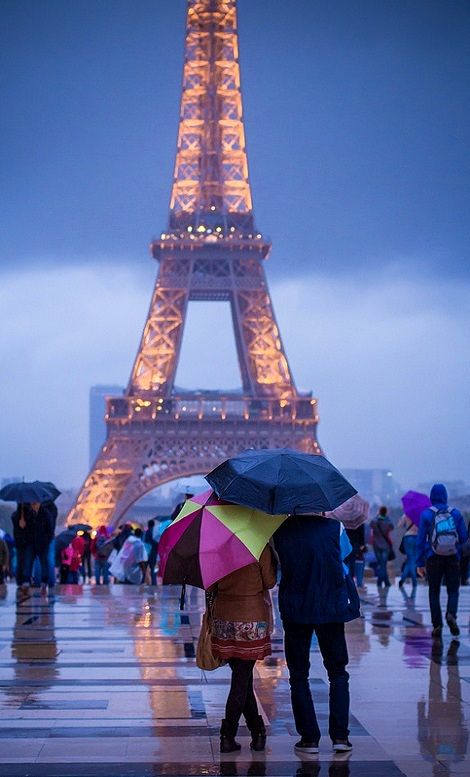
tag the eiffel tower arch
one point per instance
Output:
(211, 251)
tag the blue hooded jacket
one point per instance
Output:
(314, 587)
(438, 498)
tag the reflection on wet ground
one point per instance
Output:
(102, 681)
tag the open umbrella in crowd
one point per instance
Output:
(281, 481)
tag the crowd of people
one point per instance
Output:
(33, 556)
(316, 594)
(437, 549)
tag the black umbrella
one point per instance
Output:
(37, 491)
(80, 527)
(62, 541)
(281, 481)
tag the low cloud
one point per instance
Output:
(388, 360)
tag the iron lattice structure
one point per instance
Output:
(211, 251)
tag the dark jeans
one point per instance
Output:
(86, 566)
(409, 568)
(24, 564)
(241, 698)
(381, 554)
(42, 557)
(355, 564)
(436, 568)
(332, 644)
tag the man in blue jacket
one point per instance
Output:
(441, 531)
(315, 596)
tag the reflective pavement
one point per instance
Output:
(102, 681)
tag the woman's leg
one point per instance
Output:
(242, 679)
(409, 569)
(242, 672)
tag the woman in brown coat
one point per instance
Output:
(241, 635)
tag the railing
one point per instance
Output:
(209, 408)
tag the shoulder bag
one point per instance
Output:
(205, 658)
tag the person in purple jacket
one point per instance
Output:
(441, 531)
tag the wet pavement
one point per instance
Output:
(102, 681)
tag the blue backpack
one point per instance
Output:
(444, 536)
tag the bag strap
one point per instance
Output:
(210, 602)
(385, 536)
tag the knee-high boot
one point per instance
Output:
(227, 738)
(258, 733)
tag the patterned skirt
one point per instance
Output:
(239, 639)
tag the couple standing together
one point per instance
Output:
(314, 596)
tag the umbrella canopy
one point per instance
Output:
(63, 540)
(414, 502)
(211, 538)
(80, 527)
(37, 491)
(281, 481)
(352, 513)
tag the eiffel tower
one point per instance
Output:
(210, 251)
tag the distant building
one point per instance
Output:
(378, 486)
(97, 428)
(11, 479)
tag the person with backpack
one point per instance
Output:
(441, 531)
(382, 527)
(101, 547)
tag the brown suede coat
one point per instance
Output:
(240, 595)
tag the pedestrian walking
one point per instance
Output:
(130, 564)
(66, 556)
(124, 532)
(408, 547)
(382, 528)
(23, 536)
(4, 558)
(151, 546)
(71, 561)
(76, 566)
(86, 557)
(315, 596)
(43, 534)
(241, 636)
(441, 530)
(356, 559)
(101, 547)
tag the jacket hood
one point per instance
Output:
(438, 494)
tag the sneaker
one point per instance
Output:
(452, 624)
(306, 746)
(437, 632)
(342, 745)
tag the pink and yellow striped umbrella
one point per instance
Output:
(210, 538)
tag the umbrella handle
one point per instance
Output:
(183, 594)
